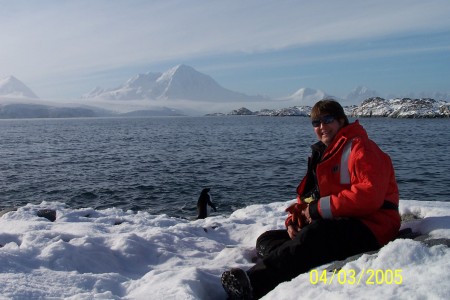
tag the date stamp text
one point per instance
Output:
(354, 277)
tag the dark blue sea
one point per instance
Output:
(161, 164)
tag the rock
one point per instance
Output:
(49, 214)
(7, 210)
(241, 112)
(302, 111)
(402, 108)
(409, 217)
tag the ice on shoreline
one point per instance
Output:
(115, 254)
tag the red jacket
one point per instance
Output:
(359, 183)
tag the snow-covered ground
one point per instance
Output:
(112, 254)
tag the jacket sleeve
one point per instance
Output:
(288, 221)
(370, 173)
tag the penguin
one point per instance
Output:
(203, 201)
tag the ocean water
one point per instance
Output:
(161, 164)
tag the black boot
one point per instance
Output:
(237, 284)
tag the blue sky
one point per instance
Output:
(63, 49)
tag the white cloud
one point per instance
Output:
(63, 38)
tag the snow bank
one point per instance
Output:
(112, 254)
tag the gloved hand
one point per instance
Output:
(296, 217)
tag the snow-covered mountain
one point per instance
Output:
(179, 83)
(359, 94)
(372, 107)
(185, 83)
(402, 108)
(18, 101)
(14, 88)
(307, 96)
(298, 111)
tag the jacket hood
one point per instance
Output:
(351, 131)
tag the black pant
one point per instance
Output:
(319, 243)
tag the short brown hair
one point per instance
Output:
(329, 107)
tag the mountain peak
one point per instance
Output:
(8, 78)
(183, 67)
(181, 82)
(13, 87)
(179, 70)
(308, 96)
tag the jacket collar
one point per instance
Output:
(345, 134)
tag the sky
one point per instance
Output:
(64, 49)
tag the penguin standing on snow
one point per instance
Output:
(203, 201)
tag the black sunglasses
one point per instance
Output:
(324, 120)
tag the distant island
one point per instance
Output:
(371, 107)
(184, 87)
(39, 111)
